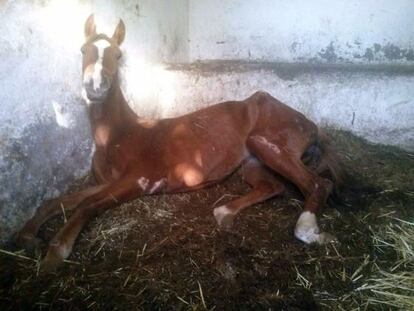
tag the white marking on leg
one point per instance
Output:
(157, 185)
(143, 183)
(307, 230)
(264, 141)
(224, 216)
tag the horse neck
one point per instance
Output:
(111, 118)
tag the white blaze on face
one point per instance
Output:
(101, 45)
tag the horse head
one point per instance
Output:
(100, 61)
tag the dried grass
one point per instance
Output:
(393, 283)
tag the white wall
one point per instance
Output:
(300, 30)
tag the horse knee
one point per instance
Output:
(317, 194)
(326, 187)
(321, 188)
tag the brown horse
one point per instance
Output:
(136, 157)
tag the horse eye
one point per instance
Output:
(83, 49)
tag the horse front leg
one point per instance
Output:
(110, 196)
(26, 237)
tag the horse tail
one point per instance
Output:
(348, 190)
(329, 164)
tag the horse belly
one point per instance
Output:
(205, 165)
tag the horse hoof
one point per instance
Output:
(50, 263)
(29, 243)
(307, 230)
(224, 217)
(311, 237)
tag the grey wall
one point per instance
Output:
(369, 31)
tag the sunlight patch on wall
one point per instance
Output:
(63, 21)
(64, 118)
(150, 86)
(147, 85)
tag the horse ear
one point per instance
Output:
(90, 27)
(119, 34)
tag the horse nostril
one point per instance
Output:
(105, 84)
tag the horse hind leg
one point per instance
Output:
(264, 186)
(26, 237)
(314, 188)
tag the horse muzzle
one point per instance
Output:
(96, 91)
